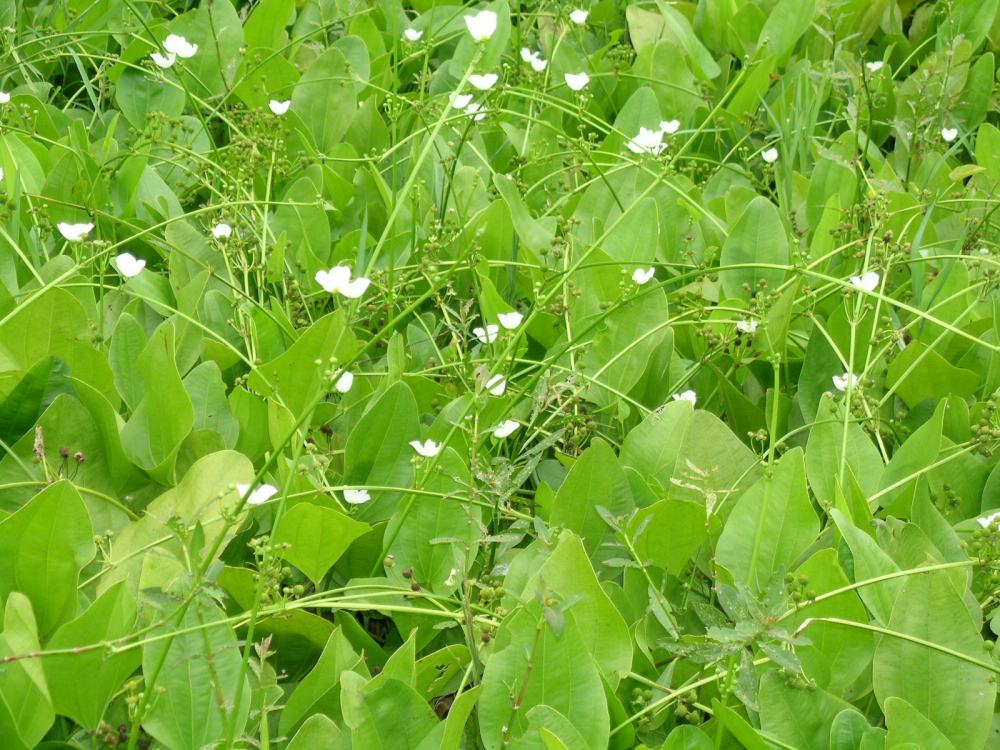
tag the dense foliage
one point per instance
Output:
(537, 377)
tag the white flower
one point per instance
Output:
(505, 428)
(577, 81)
(482, 25)
(496, 385)
(345, 380)
(279, 107)
(845, 381)
(486, 335)
(74, 232)
(179, 46)
(450, 580)
(412, 35)
(510, 320)
(874, 66)
(986, 521)
(356, 497)
(163, 61)
(427, 449)
(641, 275)
(746, 326)
(686, 396)
(260, 494)
(128, 265)
(4, 97)
(221, 230)
(485, 81)
(579, 16)
(475, 111)
(770, 155)
(1, 177)
(949, 134)
(338, 281)
(669, 127)
(460, 101)
(534, 59)
(866, 282)
(647, 142)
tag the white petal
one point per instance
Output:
(874, 66)
(260, 495)
(334, 279)
(488, 334)
(866, 282)
(344, 382)
(482, 25)
(412, 35)
(746, 326)
(949, 134)
(496, 385)
(686, 396)
(179, 46)
(4, 97)
(770, 155)
(577, 81)
(579, 16)
(427, 449)
(642, 275)
(279, 107)
(460, 101)
(221, 231)
(538, 64)
(843, 382)
(505, 428)
(485, 81)
(670, 126)
(356, 497)
(510, 320)
(475, 111)
(985, 521)
(128, 265)
(527, 55)
(163, 61)
(355, 288)
(1, 177)
(74, 232)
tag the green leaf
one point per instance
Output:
(386, 714)
(568, 574)
(294, 376)
(152, 437)
(147, 553)
(771, 526)
(25, 707)
(829, 455)
(319, 732)
(83, 684)
(907, 724)
(378, 450)
(316, 537)
(758, 237)
(955, 696)
(319, 692)
(324, 100)
(595, 481)
(672, 531)
(43, 547)
(198, 670)
(563, 676)
(31, 396)
(918, 373)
